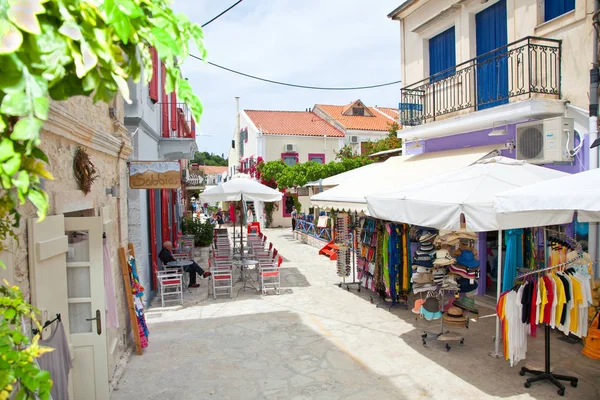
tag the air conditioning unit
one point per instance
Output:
(546, 141)
(289, 148)
(354, 139)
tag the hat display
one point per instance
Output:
(466, 285)
(438, 275)
(454, 318)
(449, 283)
(443, 257)
(466, 303)
(422, 252)
(418, 305)
(467, 258)
(427, 247)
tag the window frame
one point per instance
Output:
(322, 155)
(290, 154)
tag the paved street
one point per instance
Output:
(317, 341)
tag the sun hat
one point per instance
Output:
(422, 270)
(422, 252)
(427, 247)
(418, 305)
(462, 271)
(466, 285)
(450, 284)
(443, 257)
(421, 278)
(431, 304)
(438, 275)
(427, 237)
(454, 318)
(466, 303)
(424, 260)
(467, 258)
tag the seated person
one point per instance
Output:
(166, 257)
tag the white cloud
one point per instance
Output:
(311, 42)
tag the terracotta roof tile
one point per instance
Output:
(210, 170)
(293, 123)
(377, 122)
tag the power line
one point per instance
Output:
(296, 85)
(235, 4)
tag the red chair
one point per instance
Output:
(270, 277)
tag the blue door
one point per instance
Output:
(492, 64)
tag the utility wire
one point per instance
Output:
(235, 4)
(296, 85)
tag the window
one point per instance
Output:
(318, 158)
(290, 158)
(442, 54)
(358, 111)
(556, 8)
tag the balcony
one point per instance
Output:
(529, 68)
(178, 139)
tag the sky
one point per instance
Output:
(335, 43)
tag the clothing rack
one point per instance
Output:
(446, 336)
(354, 241)
(47, 324)
(546, 374)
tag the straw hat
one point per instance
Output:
(443, 257)
(454, 318)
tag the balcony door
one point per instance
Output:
(492, 65)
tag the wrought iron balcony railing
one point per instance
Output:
(530, 67)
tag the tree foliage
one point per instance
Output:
(391, 141)
(57, 49)
(210, 159)
(283, 176)
(17, 352)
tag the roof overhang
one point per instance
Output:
(519, 111)
(400, 8)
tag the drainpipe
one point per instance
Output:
(593, 135)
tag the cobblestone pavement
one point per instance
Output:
(317, 341)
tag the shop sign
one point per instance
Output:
(154, 175)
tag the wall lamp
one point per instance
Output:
(112, 191)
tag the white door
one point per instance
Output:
(86, 308)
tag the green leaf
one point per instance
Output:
(164, 43)
(40, 107)
(12, 165)
(129, 8)
(123, 87)
(7, 149)
(71, 30)
(22, 181)
(40, 201)
(27, 129)
(90, 59)
(10, 37)
(39, 154)
(23, 13)
(9, 313)
(16, 104)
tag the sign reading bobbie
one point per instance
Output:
(154, 175)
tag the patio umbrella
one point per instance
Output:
(241, 188)
(440, 202)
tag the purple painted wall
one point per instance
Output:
(481, 138)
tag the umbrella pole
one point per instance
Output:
(241, 225)
(498, 291)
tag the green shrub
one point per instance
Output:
(202, 231)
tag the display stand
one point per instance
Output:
(354, 241)
(123, 256)
(546, 375)
(443, 336)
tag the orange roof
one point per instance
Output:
(377, 122)
(210, 170)
(293, 123)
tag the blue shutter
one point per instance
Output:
(556, 8)
(442, 54)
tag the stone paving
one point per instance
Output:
(317, 341)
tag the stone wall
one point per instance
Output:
(74, 123)
(307, 239)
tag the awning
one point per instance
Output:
(394, 173)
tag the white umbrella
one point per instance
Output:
(441, 201)
(551, 202)
(241, 188)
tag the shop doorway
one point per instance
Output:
(67, 277)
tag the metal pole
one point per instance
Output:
(498, 291)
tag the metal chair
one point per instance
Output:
(221, 277)
(270, 277)
(171, 284)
